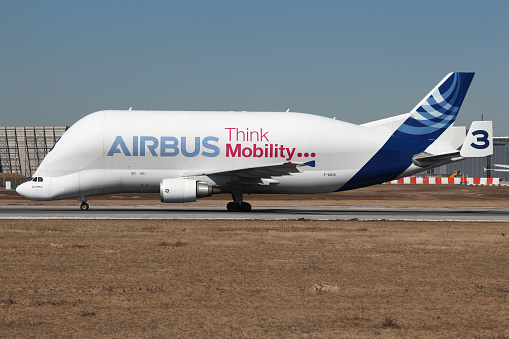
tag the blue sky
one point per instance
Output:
(356, 60)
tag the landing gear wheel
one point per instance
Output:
(237, 205)
(232, 207)
(84, 206)
(245, 207)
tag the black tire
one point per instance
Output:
(232, 207)
(245, 207)
(84, 206)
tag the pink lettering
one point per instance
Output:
(290, 152)
(247, 152)
(270, 151)
(232, 153)
(230, 133)
(264, 135)
(257, 151)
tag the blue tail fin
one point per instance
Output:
(427, 121)
(438, 110)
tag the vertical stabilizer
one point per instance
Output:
(479, 140)
(438, 110)
(426, 122)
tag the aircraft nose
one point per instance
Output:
(35, 190)
(22, 190)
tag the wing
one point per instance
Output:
(253, 175)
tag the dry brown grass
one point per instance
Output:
(245, 279)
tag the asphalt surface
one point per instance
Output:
(203, 212)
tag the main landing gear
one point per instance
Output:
(237, 205)
(84, 206)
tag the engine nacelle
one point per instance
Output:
(183, 190)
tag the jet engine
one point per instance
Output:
(184, 190)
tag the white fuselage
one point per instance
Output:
(189, 155)
(132, 151)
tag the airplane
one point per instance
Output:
(185, 155)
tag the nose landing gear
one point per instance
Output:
(237, 205)
(84, 206)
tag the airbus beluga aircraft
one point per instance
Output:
(190, 155)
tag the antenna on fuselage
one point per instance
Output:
(130, 108)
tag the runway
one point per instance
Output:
(204, 212)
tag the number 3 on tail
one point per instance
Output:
(482, 139)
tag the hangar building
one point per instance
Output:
(23, 148)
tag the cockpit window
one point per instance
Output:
(39, 179)
(34, 179)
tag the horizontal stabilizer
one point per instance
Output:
(425, 159)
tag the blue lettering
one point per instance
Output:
(196, 147)
(151, 148)
(169, 143)
(213, 148)
(135, 146)
(114, 148)
(484, 138)
(168, 146)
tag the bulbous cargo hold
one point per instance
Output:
(189, 155)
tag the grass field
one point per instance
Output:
(245, 279)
